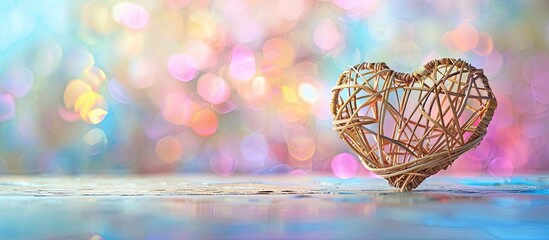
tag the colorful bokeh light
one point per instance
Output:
(344, 165)
(243, 87)
(7, 107)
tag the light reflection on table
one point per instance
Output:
(279, 207)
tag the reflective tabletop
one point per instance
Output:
(271, 207)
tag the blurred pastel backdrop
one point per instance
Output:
(243, 87)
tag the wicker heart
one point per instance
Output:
(407, 127)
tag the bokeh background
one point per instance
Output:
(243, 87)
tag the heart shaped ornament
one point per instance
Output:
(407, 127)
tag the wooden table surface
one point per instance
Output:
(271, 207)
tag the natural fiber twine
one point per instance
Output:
(407, 127)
